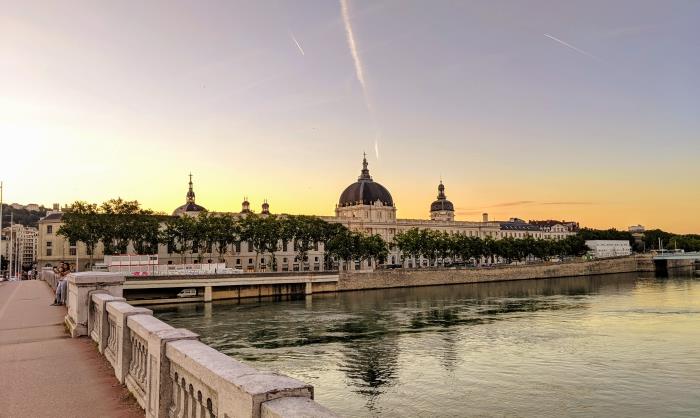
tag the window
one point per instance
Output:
(238, 247)
(250, 261)
(238, 261)
(71, 251)
(284, 259)
(48, 244)
(316, 259)
(284, 246)
(250, 247)
(48, 252)
(49, 229)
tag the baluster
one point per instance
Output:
(144, 361)
(175, 401)
(210, 408)
(192, 410)
(185, 400)
(200, 406)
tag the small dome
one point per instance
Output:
(365, 191)
(441, 204)
(190, 205)
(245, 206)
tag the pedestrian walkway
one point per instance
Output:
(45, 373)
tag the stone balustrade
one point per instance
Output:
(168, 370)
(47, 274)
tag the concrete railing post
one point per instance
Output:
(80, 287)
(100, 328)
(119, 312)
(157, 384)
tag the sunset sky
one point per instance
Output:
(581, 110)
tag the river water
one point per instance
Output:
(614, 345)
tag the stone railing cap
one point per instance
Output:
(191, 355)
(90, 277)
(295, 407)
(125, 308)
(106, 297)
(147, 324)
(263, 382)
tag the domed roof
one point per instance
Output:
(190, 205)
(365, 191)
(441, 204)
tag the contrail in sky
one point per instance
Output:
(297, 43)
(572, 47)
(351, 43)
(358, 67)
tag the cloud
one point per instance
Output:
(536, 203)
(567, 203)
(516, 203)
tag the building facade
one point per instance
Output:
(364, 206)
(609, 248)
(20, 244)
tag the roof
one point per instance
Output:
(518, 226)
(365, 191)
(188, 207)
(55, 217)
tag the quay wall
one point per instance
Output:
(381, 279)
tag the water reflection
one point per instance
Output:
(398, 350)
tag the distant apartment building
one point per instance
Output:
(21, 243)
(609, 248)
(32, 207)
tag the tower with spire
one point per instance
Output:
(442, 209)
(190, 208)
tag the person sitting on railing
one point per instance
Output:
(62, 285)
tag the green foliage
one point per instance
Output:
(435, 245)
(21, 216)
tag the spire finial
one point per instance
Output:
(441, 190)
(190, 192)
(365, 171)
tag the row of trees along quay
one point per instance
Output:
(118, 223)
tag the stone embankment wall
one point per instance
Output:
(168, 370)
(380, 279)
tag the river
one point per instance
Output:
(614, 345)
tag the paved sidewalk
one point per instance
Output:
(43, 372)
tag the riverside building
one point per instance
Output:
(364, 206)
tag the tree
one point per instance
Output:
(224, 231)
(373, 248)
(81, 223)
(178, 233)
(408, 242)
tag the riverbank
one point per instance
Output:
(164, 289)
(383, 279)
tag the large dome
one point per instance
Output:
(365, 191)
(441, 204)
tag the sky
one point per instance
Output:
(578, 110)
